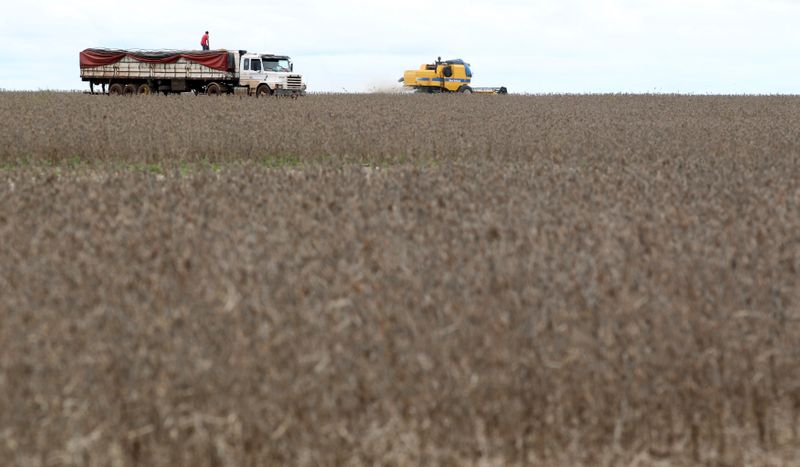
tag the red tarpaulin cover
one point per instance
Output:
(217, 59)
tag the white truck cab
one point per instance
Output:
(267, 74)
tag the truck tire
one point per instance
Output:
(129, 90)
(213, 89)
(263, 90)
(144, 90)
(116, 89)
(465, 90)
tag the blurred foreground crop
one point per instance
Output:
(402, 280)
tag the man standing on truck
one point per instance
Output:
(204, 41)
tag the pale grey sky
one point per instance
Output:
(688, 46)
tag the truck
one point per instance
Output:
(444, 76)
(211, 72)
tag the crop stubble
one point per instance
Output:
(399, 279)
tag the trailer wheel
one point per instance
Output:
(213, 89)
(263, 90)
(129, 90)
(116, 89)
(144, 90)
(465, 90)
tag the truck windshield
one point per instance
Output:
(276, 65)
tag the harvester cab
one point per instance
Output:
(444, 76)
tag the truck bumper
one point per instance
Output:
(290, 92)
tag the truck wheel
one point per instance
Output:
(213, 89)
(144, 90)
(263, 90)
(116, 89)
(129, 90)
(465, 90)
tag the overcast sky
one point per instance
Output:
(535, 46)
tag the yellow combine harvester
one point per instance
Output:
(445, 76)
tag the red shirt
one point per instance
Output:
(204, 40)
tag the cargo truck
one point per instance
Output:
(212, 72)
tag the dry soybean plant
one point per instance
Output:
(399, 280)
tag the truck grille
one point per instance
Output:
(294, 82)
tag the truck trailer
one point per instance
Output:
(212, 72)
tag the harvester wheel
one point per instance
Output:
(116, 89)
(144, 90)
(465, 90)
(129, 90)
(213, 89)
(263, 90)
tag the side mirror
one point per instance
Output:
(291, 67)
